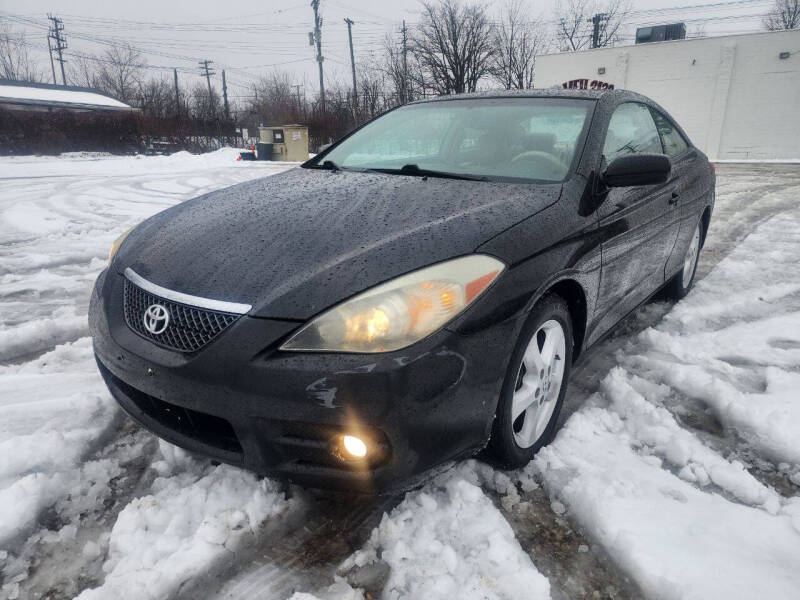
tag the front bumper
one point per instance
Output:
(242, 401)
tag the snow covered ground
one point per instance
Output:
(676, 475)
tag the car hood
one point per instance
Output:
(293, 244)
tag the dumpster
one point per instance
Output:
(264, 151)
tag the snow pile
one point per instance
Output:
(196, 515)
(150, 167)
(44, 438)
(675, 539)
(336, 591)
(734, 343)
(35, 336)
(682, 519)
(449, 541)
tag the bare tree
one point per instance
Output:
(398, 69)
(82, 70)
(202, 105)
(574, 22)
(453, 45)
(275, 99)
(15, 61)
(120, 72)
(372, 92)
(784, 14)
(517, 41)
(157, 97)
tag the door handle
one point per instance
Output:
(674, 198)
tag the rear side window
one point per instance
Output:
(631, 131)
(674, 142)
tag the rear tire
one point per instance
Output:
(535, 384)
(680, 285)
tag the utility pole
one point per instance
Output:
(207, 72)
(52, 64)
(406, 86)
(225, 96)
(177, 93)
(596, 21)
(350, 24)
(297, 95)
(316, 37)
(56, 34)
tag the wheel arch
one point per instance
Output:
(572, 292)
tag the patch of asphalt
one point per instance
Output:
(306, 557)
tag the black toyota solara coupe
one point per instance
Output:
(414, 294)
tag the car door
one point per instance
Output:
(638, 224)
(687, 194)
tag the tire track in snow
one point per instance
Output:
(56, 559)
(331, 528)
(575, 567)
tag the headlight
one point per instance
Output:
(401, 312)
(116, 244)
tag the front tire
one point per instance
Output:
(535, 384)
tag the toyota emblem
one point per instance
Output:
(156, 319)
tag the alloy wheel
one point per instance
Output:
(539, 383)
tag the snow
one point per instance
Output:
(20, 92)
(44, 439)
(58, 217)
(734, 343)
(758, 161)
(680, 471)
(676, 539)
(680, 517)
(195, 514)
(448, 540)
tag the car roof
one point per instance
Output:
(552, 92)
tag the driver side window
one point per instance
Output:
(631, 131)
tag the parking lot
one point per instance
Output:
(680, 433)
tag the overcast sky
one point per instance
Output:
(250, 37)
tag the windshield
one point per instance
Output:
(515, 138)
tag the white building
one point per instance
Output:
(738, 97)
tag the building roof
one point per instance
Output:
(23, 94)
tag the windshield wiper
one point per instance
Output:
(329, 165)
(415, 170)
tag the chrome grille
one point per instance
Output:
(190, 328)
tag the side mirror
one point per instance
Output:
(637, 169)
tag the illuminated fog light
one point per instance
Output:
(354, 446)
